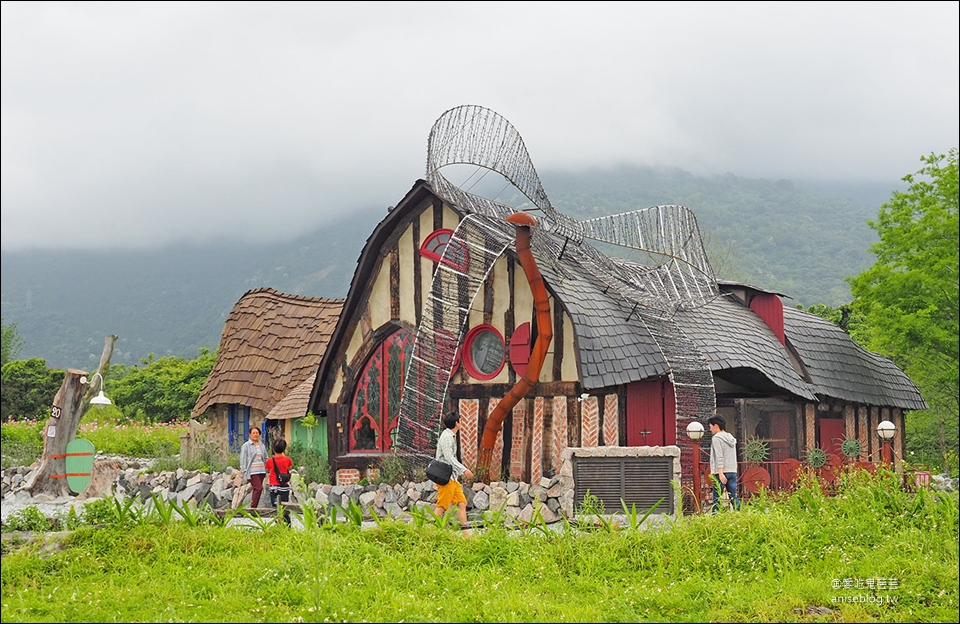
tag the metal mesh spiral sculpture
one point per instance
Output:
(679, 276)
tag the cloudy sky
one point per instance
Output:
(141, 124)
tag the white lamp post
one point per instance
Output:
(886, 430)
(695, 432)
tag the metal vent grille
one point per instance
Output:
(636, 480)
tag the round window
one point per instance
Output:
(484, 352)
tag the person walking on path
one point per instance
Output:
(452, 492)
(277, 464)
(253, 464)
(723, 461)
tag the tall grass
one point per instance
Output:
(23, 442)
(780, 559)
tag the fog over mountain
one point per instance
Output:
(778, 234)
(141, 125)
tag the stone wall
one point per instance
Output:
(554, 496)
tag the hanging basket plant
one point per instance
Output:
(851, 448)
(816, 457)
(756, 450)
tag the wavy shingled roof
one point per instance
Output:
(272, 343)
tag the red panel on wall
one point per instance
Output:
(520, 348)
(769, 308)
(831, 434)
(651, 413)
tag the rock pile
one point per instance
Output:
(225, 490)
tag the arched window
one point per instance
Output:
(375, 410)
(435, 244)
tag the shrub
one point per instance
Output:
(315, 464)
(28, 389)
(28, 519)
(22, 442)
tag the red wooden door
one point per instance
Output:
(651, 413)
(831, 435)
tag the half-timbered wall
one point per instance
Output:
(540, 427)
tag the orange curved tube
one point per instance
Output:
(541, 305)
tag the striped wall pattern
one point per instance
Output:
(516, 442)
(469, 421)
(559, 430)
(611, 421)
(497, 461)
(590, 421)
(536, 452)
(849, 426)
(810, 418)
(862, 435)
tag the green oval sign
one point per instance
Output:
(79, 460)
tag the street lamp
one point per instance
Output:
(695, 432)
(886, 430)
(101, 399)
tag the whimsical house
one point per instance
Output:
(266, 366)
(639, 348)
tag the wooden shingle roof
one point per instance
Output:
(841, 368)
(614, 346)
(272, 343)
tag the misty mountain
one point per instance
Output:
(797, 238)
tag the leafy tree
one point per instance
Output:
(163, 390)
(11, 343)
(843, 316)
(29, 388)
(909, 298)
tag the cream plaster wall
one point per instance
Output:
(407, 253)
(379, 302)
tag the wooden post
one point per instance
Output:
(69, 405)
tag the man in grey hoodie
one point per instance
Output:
(723, 461)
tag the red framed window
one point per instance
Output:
(484, 352)
(438, 241)
(375, 410)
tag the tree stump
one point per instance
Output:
(69, 405)
(104, 475)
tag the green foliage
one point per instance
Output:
(163, 390)
(392, 470)
(28, 389)
(761, 564)
(309, 421)
(315, 464)
(28, 519)
(909, 297)
(845, 316)
(11, 343)
(22, 442)
(131, 439)
(100, 512)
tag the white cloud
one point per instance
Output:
(143, 123)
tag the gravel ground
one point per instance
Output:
(50, 507)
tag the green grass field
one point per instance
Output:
(871, 552)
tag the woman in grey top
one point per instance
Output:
(253, 464)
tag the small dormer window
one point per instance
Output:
(435, 245)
